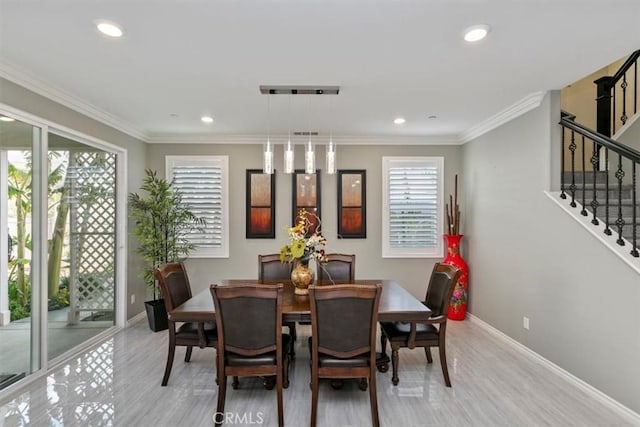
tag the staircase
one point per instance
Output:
(620, 203)
(602, 175)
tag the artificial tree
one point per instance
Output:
(163, 223)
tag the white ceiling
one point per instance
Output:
(390, 58)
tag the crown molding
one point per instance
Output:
(36, 85)
(68, 100)
(282, 139)
(526, 104)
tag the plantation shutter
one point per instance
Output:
(202, 180)
(412, 207)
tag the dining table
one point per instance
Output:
(396, 305)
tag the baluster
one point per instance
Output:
(607, 230)
(613, 111)
(635, 87)
(584, 212)
(620, 221)
(562, 193)
(572, 187)
(634, 233)
(623, 117)
(594, 163)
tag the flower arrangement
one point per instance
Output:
(304, 245)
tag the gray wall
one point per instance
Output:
(527, 257)
(243, 260)
(631, 136)
(30, 102)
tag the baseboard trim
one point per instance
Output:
(624, 411)
(137, 318)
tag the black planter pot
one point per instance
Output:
(156, 315)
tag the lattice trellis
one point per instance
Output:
(91, 178)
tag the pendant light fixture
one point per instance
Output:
(309, 150)
(267, 164)
(309, 154)
(288, 149)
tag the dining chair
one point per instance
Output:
(339, 268)
(343, 341)
(425, 334)
(250, 338)
(175, 288)
(271, 269)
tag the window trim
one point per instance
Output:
(223, 163)
(426, 161)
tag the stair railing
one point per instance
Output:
(619, 91)
(580, 138)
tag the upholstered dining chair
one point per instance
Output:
(339, 268)
(343, 341)
(271, 269)
(175, 287)
(425, 334)
(250, 338)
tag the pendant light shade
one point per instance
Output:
(309, 158)
(288, 157)
(267, 161)
(267, 152)
(331, 158)
(288, 149)
(309, 154)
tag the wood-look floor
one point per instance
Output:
(118, 383)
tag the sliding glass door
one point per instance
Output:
(19, 316)
(82, 250)
(58, 244)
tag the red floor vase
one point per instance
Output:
(458, 305)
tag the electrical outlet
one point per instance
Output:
(133, 298)
(525, 323)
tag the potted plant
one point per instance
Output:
(163, 224)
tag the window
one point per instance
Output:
(203, 181)
(412, 224)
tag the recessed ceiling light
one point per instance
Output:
(109, 29)
(6, 119)
(476, 33)
(399, 120)
(432, 117)
(206, 119)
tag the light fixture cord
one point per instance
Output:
(289, 123)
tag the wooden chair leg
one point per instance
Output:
(314, 399)
(285, 374)
(167, 368)
(394, 363)
(187, 354)
(222, 390)
(443, 362)
(235, 384)
(427, 352)
(373, 397)
(279, 385)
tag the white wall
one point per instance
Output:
(529, 258)
(243, 260)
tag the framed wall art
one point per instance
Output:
(352, 204)
(260, 205)
(306, 195)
